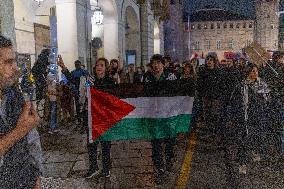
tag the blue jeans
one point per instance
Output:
(53, 115)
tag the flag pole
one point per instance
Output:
(188, 26)
(89, 113)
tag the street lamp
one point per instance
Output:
(98, 15)
(39, 1)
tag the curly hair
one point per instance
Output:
(107, 65)
(249, 68)
(112, 61)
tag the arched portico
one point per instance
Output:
(132, 40)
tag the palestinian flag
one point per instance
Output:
(149, 111)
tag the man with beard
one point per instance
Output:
(17, 119)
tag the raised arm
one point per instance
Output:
(65, 71)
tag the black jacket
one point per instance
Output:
(18, 170)
(207, 83)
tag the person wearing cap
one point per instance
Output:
(158, 74)
(274, 76)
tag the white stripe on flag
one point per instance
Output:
(160, 107)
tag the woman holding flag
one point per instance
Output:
(101, 78)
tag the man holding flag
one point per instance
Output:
(158, 74)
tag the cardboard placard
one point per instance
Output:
(257, 54)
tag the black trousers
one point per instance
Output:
(93, 149)
(157, 152)
(93, 155)
(77, 106)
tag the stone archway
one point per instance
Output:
(32, 26)
(132, 40)
(108, 30)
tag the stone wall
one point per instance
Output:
(147, 32)
(7, 21)
(133, 161)
(267, 24)
(237, 35)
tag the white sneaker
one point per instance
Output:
(56, 130)
(256, 157)
(91, 173)
(107, 175)
(243, 170)
(50, 132)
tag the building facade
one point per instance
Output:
(214, 29)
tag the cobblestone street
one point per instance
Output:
(213, 168)
(66, 161)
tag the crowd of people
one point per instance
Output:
(234, 99)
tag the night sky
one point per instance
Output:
(243, 7)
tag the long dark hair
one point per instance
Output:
(112, 69)
(248, 69)
(215, 60)
(191, 67)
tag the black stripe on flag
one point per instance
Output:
(183, 87)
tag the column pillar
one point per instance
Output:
(147, 32)
(7, 21)
(67, 31)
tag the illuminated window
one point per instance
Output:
(197, 45)
(218, 43)
(205, 26)
(250, 25)
(231, 45)
(207, 44)
(218, 25)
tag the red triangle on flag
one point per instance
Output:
(106, 111)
